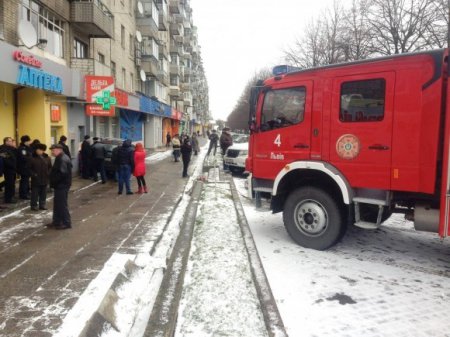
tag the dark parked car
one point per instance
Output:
(110, 145)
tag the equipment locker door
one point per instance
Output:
(361, 128)
(284, 122)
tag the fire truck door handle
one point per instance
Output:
(378, 147)
(301, 146)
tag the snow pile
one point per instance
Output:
(158, 156)
(219, 296)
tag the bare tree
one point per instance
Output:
(239, 117)
(307, 52)
(436, 33)
(322, 42)
(356, 36)
(400, 26)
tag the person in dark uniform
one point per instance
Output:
(62, 142)
(23, 166)
(86, 152)
(40, 167)
(98, 159)
(186, 151)
(60, 181)
(9, 157)
(168, 139)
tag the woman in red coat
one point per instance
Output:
(139, 167)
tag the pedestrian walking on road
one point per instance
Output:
(86, 157)
(9, 157)
(60, 181)
(23, 166)
(225, 142)
(62, 142)
(168, 139)
(195, 144)
(98, 159)
(139, 168)
(213, 139)
(186, 151)
(40, 167)
(125, 158)
(176, 148)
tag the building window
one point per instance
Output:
(282, 108)
(131, 45)
(124, 80)
(362, 101)
(131, 82)
(79, 49)
(101, 58)
(122, 36)
(113, 69)
(174, 80)
(48, 26)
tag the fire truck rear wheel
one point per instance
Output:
(313, 218)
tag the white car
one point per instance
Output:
(235, 157)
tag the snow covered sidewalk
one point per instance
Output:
(219, 295)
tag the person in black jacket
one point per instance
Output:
(186, 151)
(98, 159)
(213, 139)
(9, 157)
(40, 166)
(86, 158)
(62, 142)
(60, 181)
(23, 166)
(125, 159)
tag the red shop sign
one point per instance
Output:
(97, 110)
(55, 113)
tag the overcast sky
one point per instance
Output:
(238, 37)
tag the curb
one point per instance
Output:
(272, 317)
(163, 318)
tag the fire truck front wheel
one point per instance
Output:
(313, 218)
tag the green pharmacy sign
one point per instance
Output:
(106, 100)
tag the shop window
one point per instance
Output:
(283, 107)
(362, 101)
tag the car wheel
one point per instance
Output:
(313, 218)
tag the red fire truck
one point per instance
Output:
(352, 143)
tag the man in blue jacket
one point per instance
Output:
(125, 164)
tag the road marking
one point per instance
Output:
(18, 266)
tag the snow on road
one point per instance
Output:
(389, 282)
(219, 296)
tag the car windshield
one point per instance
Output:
(241, 139)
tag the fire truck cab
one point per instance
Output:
(351, 143)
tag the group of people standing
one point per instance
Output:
(33, 165)
(184, 146)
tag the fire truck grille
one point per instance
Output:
(233, 153)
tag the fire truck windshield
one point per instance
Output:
(283, 107)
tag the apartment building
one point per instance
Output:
(57, 47)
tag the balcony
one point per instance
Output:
(175, 6)
(175, 69)
(163, 20)
(186, 86)
(175, 91)
(175, 48)
(176, 29)
(164, 77)
(147, 27)
(150, 66)
(93, 17)
(187, 99)
(90, 67)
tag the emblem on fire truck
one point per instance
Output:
(348, 146)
